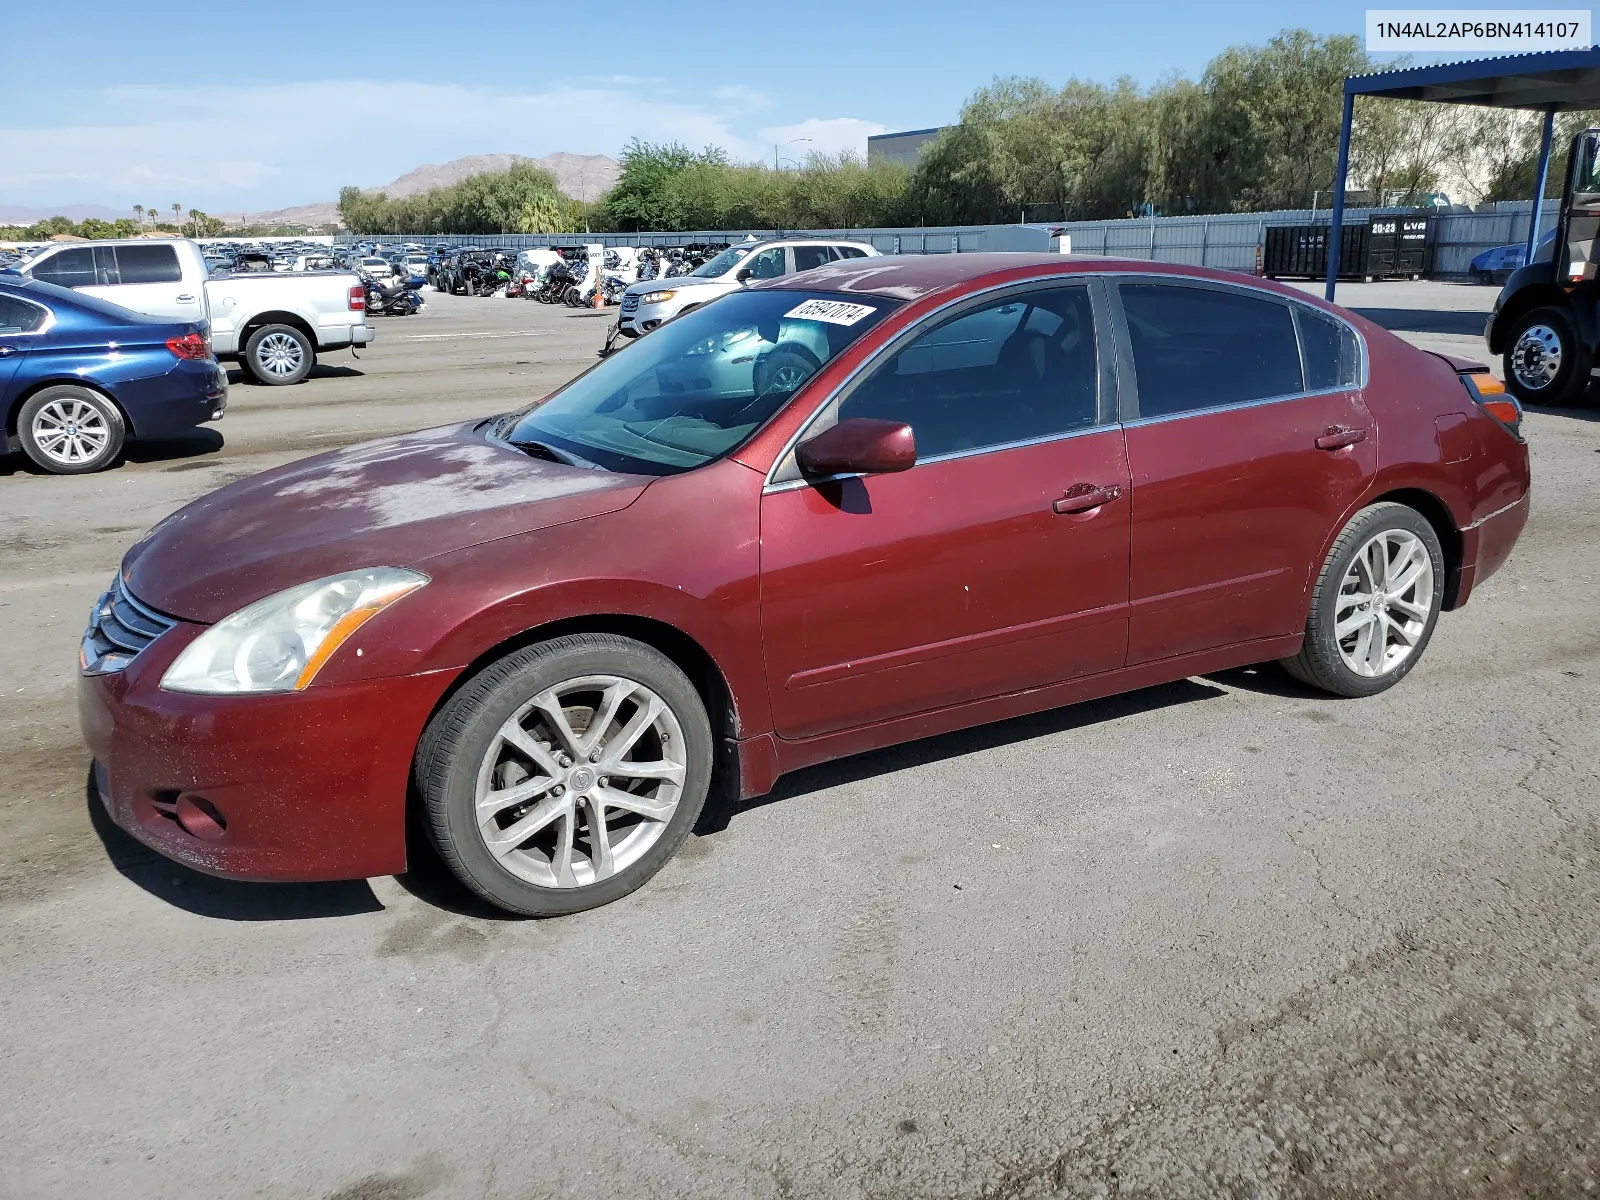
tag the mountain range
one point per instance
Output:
(581, 176)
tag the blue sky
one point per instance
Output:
(266, 106)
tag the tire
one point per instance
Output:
(783, 370)
(279, 355)
(1544, 363)
(1355, 664)
(71, 430)
(465, 754)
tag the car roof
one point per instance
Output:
(913, 276)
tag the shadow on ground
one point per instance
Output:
(224, 899)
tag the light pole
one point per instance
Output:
(784, 146)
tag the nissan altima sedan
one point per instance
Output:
(931, 493)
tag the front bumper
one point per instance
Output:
(305, 786)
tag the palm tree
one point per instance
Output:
(177, 214)
(152, 211)
(138, 211)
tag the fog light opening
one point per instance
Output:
(201, 818)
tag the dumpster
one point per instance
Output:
(1387, 246)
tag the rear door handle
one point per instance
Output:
(5, 350)
(185, 297)
(1335, 438)
(1081, 497)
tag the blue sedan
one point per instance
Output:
(80, 376)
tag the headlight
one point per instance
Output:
(656, 297)
(280, 643)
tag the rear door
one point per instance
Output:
(1242, 457)
(21, 323)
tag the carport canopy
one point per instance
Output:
(1549, 82)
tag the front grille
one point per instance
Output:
(119, 627)
(630, 304)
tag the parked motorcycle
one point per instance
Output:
(397, 300)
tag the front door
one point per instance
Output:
(1580, 211)
(1250, 439)
(983, 570)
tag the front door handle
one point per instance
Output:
(186, 298)
(1081, 497)
(1337, 438)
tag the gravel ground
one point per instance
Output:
(1220, 938)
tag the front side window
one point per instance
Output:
(18, 316)
(1015, 370)
(1196, 348)
(699, 385)
(70, 268)
(768, 264)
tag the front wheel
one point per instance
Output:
(278, 355)
(1544, 361)
(1374, 605)
(565, 775)
(71, 430)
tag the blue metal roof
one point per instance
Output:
(1558, 79)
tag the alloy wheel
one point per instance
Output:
(279, 354)
(580, 781)
(1385, 600)
(70, 431)
(1536, 358)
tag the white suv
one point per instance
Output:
(646, 305)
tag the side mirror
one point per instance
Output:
(744, 274)
(859, 445)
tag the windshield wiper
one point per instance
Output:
(540, 450)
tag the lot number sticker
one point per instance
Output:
(834, 312)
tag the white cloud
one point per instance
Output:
(821, 135)
(226, 148)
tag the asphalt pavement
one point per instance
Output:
(1222, 937)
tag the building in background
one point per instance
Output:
(903, 148)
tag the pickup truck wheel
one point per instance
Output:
(1544, 361)
(278, 355)
(71, 430)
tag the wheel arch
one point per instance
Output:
(276, 317)
(1437, 514)
(1524, 301)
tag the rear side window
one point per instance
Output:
(1197, 348)
(148, 264)
(850, 252)
(72, 268)
(18, 316)
(1332, 357)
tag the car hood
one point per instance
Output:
(675, 282)
(396, 502)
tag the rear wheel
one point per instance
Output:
(1544, 361)
(71, 430)
(1374, 605)
(278, 354)
(565, 775)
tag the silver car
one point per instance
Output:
(646, 305)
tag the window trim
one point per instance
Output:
(1107, 406)
(1130, 412)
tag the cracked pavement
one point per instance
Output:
(1225, 937)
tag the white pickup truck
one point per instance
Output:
(274, 325)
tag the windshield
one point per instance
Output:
(698, 386)
(722, 263)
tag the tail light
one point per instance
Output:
(1493, 398)
(358, 298)
(190, 345)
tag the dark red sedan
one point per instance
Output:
(876, 501)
